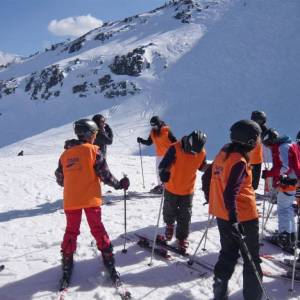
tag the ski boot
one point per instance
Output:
(284, 240)
(182, 246)
(109, 263)
(67, 268)
(169, 232)
(220, 289)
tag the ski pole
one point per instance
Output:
(125, 221)
(270, 208)
(205, 239)
(295, 251)
(245, 250)
(156, 229)
(263, 212)
(142, 165)
(191, 260)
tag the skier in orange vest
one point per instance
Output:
(177, 171)
(81, 169)
(162, 137)
(227, 185)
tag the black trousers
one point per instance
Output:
(256, 170)
(229, 255)
(178, 208)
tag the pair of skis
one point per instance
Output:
(113, 274)
(287, 264)
(162, 248)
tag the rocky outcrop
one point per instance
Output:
(39, 84)
(7, 87)
(130, 64)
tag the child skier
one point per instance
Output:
(227, 185)
(104, 136)
(162, 137)
(284, 173)
(178, 171)
(80, 167)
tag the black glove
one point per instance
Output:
(285, 180)
(124, 183)
(139, 139)
(164, 175)
(237, 229)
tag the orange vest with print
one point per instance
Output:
(183, 171)
(245, 202)
(256, 155)
(81, 185)
(161, 142)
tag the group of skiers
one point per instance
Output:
(228, 183)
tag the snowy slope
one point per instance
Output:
(32, 225)
(204, 71)
(232, 57)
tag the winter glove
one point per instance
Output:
(164, 175)
(285, 180)
(139, 139)
(124, 183)
(237, 229)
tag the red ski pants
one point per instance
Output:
(93, 215)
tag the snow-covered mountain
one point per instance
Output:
(197, 64)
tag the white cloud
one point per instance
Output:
(74, 26)
(7, 58)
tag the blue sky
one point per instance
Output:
(24, 23)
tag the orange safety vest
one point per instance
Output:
(245, 202)
(183, 171)
(256, 155)
(82, 187)
(161, 141)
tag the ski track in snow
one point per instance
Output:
(32, 225)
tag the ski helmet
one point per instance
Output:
(245, 133)
(84, 128)
(298, 137)
(155, 121)
(270, 137)
(259, 117)
(194, 142)
(98, 118)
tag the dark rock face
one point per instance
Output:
(102, 36)
(80, 88)
(7, 87)
(40, 83)
(121, 88)
(130, 64)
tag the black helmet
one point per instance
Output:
(84, 128)
(270, 137)
(155, 121)
(298, 137)
(97, 118)
(194, 142)
(259, 117)
(245, 133)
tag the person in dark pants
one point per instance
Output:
(227, 185)
(178, 171)
(105, 134)
(256, 155)
(162, 137)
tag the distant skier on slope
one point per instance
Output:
(256, 155)
(80, 167)
(162, 137)
(284, 173)
(227, 185)
(105, 134)
(178, 171)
